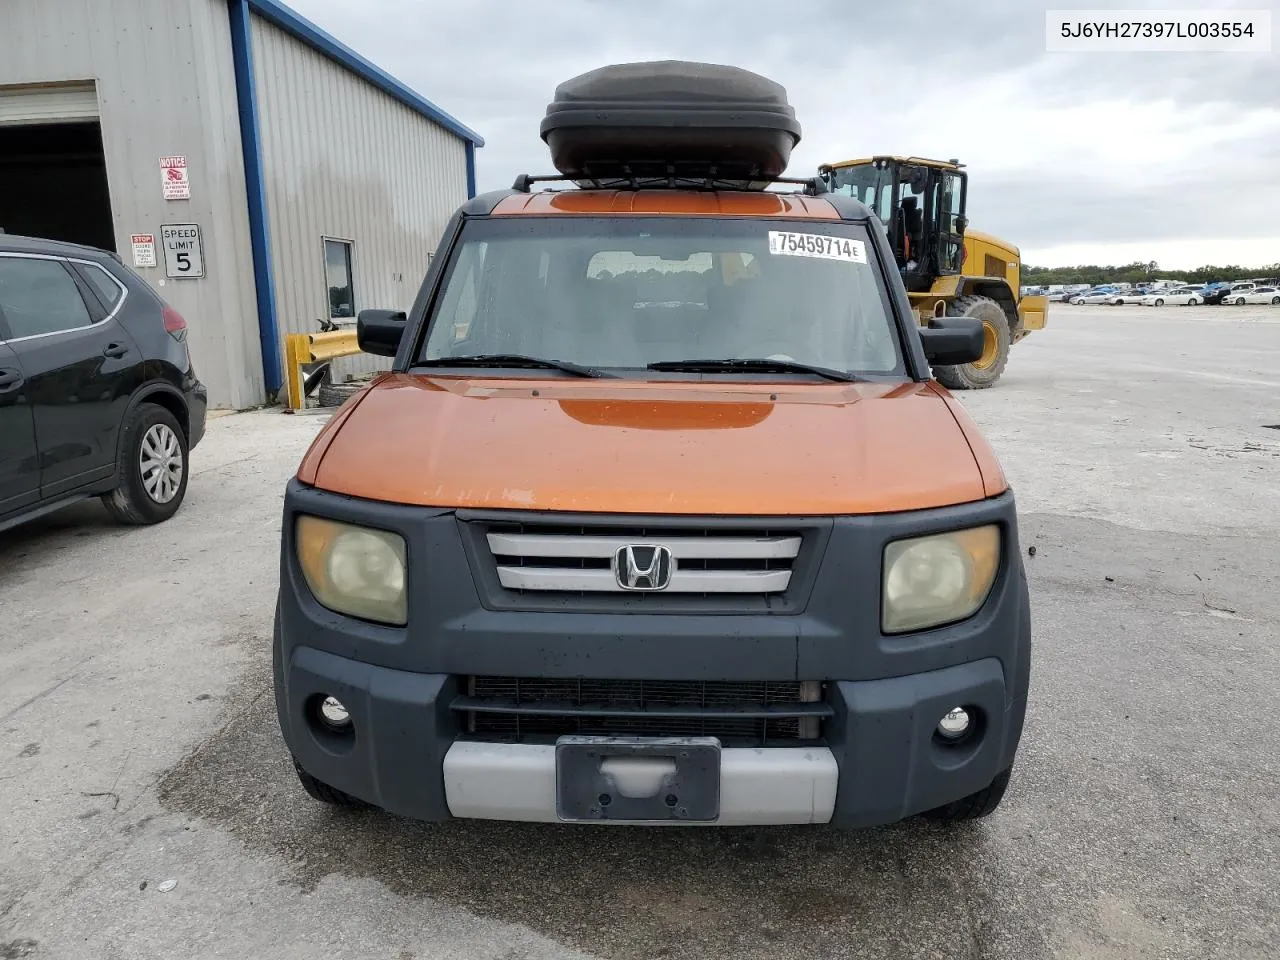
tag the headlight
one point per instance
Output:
(929, 581)
(354, 570)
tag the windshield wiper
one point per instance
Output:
(760, 365)
(514, 361)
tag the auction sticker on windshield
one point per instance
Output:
(788, 244)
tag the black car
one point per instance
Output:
(98, 397)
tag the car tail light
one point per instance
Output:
(174, 324)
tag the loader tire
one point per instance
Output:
(997, 339)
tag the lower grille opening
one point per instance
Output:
(516, 729)
(756, 713)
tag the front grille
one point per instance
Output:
(514, 709)
(700, 561)
(570, 562)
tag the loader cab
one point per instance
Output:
(920, 202)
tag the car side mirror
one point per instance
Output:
(952, 340)
(379, 331)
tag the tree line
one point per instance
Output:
(1139, 272)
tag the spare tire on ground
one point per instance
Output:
(333, 394)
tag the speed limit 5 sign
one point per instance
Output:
(183, 251)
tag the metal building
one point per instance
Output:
(256, 170)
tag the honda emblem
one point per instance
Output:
(643, 567)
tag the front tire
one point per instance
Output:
(1275, 301)
(1239, 301)
(1159, 303)
(154, 471)
(996, 340)
(319, 790)
(976, 805)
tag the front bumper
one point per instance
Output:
(879, 760)
(875, 760)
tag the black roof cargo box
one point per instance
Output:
(670, 117)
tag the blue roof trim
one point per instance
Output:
(306, 31)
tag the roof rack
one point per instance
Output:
(669, 180)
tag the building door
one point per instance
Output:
(52, 165)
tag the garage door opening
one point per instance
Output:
(55, 182)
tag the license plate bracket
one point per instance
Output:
(585, 791)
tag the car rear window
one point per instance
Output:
(104, 285)
(39, 297)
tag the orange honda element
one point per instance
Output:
(660, 516)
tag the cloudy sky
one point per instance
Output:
(1075, 157)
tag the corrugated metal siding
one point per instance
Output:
(54, 103)
(165, 86)
(345, 160)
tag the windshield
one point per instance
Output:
(865, 183)
(623, 293)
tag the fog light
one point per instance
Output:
(334, 713)
(955, 723)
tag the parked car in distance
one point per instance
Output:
(1213, 295)
(1122, 297)
(1094, 296)
(1187, 296)
(98, 396)
(1256, 295)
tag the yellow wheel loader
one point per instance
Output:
(948, 269)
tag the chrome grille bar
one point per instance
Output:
(682, 548)
(682, 581)
(700, 565)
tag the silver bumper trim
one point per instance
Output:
(758, 786)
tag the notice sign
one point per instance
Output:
(183, 252)
(144, 249)
(173, 174)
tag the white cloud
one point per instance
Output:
(1073, 157)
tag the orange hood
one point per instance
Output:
(605, 446)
